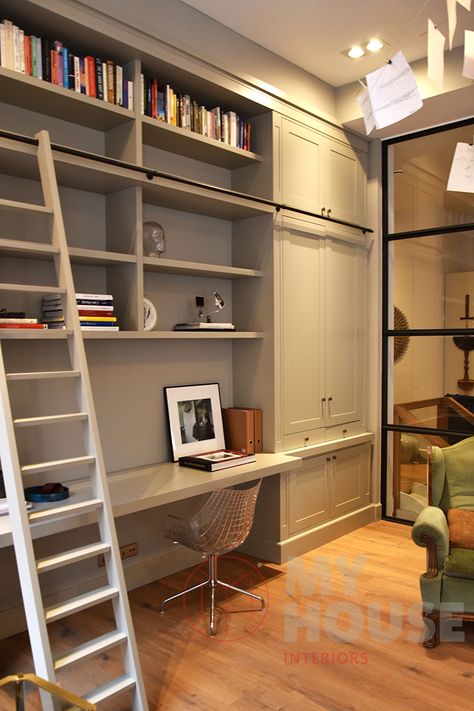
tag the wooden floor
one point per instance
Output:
(340, 633)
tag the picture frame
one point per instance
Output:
(195, 419)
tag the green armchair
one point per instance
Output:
(447, 586)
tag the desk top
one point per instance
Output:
(146, 487)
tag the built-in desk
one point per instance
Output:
(147, 487)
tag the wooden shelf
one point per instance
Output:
(208, 150)
(172, 335)
(45, 98)
(80, 255)
(177, 266)
(34, 333)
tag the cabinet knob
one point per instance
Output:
(329, 399)
(329, 211)
(334, 456)
(323, 210)
(328, 459)
(323, 399)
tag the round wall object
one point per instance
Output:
(150, 315)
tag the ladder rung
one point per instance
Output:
(57, 464)
(33, 288)
(44, 374)
(49, 419)
(61, 509)
(34, 249)
(110, 689)
(81, 602)
(25, 206)
(100, 644)
(72, 556)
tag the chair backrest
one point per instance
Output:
(225, 520)
(452, 476)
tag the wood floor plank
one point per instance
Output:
(340, 634)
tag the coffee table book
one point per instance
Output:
(219, 459)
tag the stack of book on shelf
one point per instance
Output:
(159, 101)
(96, 312)
(54, 62)
(203, 326)
(4, 506)
(17, 319)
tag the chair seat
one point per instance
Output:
(460, 563)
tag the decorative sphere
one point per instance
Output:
(154, 241)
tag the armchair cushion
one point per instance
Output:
(460, 563)
(459, 476)
(461, 528)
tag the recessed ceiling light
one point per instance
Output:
(355, 52)
(374, 45)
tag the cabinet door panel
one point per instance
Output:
(308, 495)
(345, 182)
(300, 167)
(345, 308)
(302, 331)
(350, 485)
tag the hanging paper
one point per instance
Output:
(461, 176)
(364, 102)
(468, 68)
(436, 41)
(452, 16)
(393, 92)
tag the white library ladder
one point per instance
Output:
(64, 514)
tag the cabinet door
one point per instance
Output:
(302, 331)
(345, 327)
(301, 166)
(350, 479)
(308, 492)
(345, 179)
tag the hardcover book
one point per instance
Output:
(202, 326)
(220, 459)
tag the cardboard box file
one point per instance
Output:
(243, 429)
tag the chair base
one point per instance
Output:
(212, 581)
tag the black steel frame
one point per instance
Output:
(387, 333)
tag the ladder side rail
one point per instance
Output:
(23, 546)
(99, 481)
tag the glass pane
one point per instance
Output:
(421, 169)
(432, 385)
(433, 280)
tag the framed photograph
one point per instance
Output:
(195, 419)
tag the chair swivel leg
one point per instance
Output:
(213, 584)
(180, 594)
(244, 592)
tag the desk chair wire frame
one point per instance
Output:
(221, 525)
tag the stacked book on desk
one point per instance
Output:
(96, 312)
(204, 326)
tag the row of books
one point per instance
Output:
(53, 62)
(96, 312)
(159, 101)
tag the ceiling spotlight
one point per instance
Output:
(374, 45)
(355, 52)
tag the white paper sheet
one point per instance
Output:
(393, 92)
(436, 42)
(452, 16)
(461, 176)
(468, 68)
(364, 102)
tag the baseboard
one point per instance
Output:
(138, 572)
(281, 551)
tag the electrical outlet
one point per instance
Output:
(126, 551)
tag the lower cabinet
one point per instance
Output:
(327, 497)
(328, 486)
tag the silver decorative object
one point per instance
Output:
(154, 240)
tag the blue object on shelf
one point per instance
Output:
(36, 493)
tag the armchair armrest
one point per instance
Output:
(430, 531)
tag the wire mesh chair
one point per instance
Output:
(223, 524)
